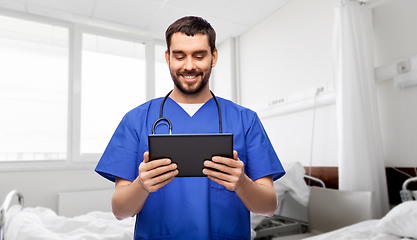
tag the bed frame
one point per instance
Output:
(282, 225)
(5, 206)
(329, 175)
(395, 179)
(70, 204)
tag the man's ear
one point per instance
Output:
(214, 57)
(167, 57)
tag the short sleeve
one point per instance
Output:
(119, 158)
(262, 158)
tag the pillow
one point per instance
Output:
(293, 182)
(400, 221)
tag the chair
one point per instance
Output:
(330, 209)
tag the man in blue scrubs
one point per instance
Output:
(214, 207)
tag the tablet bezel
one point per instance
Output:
(189, 151)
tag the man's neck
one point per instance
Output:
(201, 97)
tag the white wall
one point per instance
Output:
(395, 31)
(41, 188)
(221, 81)
(397, 108)
(395, 37)
(291, 51)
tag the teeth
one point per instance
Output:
(189, 77)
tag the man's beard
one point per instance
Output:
(198, 86)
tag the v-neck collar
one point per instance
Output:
(191, 108)
(185, 112)
(204, 120)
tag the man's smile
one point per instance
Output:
(190, 77)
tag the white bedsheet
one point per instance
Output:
(399, 223)
(360, 231)
(43, 224)
(293, 183)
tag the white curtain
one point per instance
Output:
(361, 165)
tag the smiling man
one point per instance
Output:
(214, 207)
(190, 64)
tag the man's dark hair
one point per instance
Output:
(191, 25)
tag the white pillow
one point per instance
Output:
(400, 221)
(293, 182)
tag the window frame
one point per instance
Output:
(75, 160)
(161, 44)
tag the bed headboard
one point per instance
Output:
(71, 204)
(329, 175)
(395, 179)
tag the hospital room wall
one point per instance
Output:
(41, 188)
(288, 52)
(395, 38)
(291, 51)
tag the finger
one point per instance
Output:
(162, 170)
(160, 181)
(155, 163)
(235, 155)
(229, 186)
(148, 166)
(234, 163)
(146, 157)
(222, 176)
(156, 187)
(155, 168)
(152, 183)
(223, 167)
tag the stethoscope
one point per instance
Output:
(161, 118)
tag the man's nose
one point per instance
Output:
(189, 64)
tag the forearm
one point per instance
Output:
(128, 198)
(258, 196)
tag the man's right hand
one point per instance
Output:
(156, 173)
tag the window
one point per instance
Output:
(64, 88)
(33, 90)
(163, 80)
(112, 83)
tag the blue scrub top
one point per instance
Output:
(191, 207)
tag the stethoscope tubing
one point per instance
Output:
(161, 118)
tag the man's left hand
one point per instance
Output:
(231, 173)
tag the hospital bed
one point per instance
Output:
(290, 218)
(17, 222)
(399, 223)
(293, 196)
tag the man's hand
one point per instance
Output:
(129, 197)
(232, 171)
(258, 196)
(157, 173)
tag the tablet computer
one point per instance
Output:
(189, 151)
